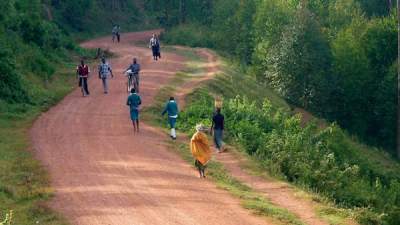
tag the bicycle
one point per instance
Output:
(132, 81)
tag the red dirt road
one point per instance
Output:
(104, 175)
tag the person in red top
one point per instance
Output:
(83, 72)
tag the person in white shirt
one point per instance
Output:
(155, 46)
(104, 72)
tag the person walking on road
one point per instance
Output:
(83, 71)
(158, 49)
(171, 108)
(217, 129)
(104, 72)
(154, 45)
(134, 69)
(116, 33)
(134, 101)
(200, 149)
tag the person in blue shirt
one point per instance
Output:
(134, 101)
(171, 108)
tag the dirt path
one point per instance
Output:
(279, 193)
(104, 175)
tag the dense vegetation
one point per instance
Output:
(93, 17)
(325, 160)
(36, 71)
(335, 58)
(33, 51)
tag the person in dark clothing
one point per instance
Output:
(217, 129)
(133, 71)
(118, 33)
(83, 71)
(158, 53)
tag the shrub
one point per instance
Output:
(11, 89)
(190, 35)
(322, 160)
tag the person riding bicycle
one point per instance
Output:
(83, 71)
(133, 73)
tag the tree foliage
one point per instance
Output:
(334, 58)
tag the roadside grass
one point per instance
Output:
(24, 183)
(232, 82)
(381, 166)
(324, 207)
(228, 84)
(249, 198)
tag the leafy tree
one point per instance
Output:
(352, 75)
(11, 89)
(270, 20)
(74, 12)
(377, 7)
(380, 44)
(300, 63)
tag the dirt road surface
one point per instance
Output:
(105, 175)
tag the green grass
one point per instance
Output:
(348, 151)
(249, 198)
(24, 183)
(229, 83)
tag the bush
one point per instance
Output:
(322, 160)
(11, 89)
(190, 35)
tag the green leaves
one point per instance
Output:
(323, 160)
(11, 89)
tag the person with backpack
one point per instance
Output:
(133, 71)
(83, 71)
(217, 129)
(171, 108)
(104, 72)
(153, 45)
(134, 101)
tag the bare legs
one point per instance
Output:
(135, 124)
(201, 168)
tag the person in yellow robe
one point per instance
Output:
(200, 148)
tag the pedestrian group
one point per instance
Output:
(199, 144)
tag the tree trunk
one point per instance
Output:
(398, 79)
(166, 13)
(182, 11)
